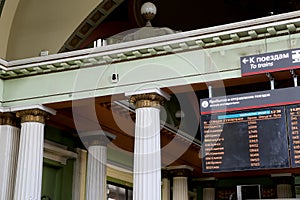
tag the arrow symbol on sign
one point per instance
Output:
(245, 61)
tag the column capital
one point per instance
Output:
(33, 115)
(96, 138)
(180, 171)
(148, 98)
(8, 119)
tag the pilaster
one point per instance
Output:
(79, 175)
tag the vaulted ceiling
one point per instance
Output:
(177, 15)
(27, 28)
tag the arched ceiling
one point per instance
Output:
(28, 27)
(177, 15)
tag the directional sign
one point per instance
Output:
(270, 62)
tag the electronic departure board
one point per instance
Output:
(251, 131)
(293, 121)
(243, 140)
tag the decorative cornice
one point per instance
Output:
(57, 152)
(271, 26)
(8, 119)
(33, 115)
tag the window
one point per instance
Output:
(118, 192)
(100, 43)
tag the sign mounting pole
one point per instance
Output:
(295, 77)
(272, 80)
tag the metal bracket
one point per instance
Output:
(295, 77)
(272, 80)
(210, 91)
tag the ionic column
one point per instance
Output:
(166, 187)
(30, 161)
(180, 182)
(147, 153)
(285, 186)
(96, 143)
(9, 143)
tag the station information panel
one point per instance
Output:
(252, 139)
(293, 122)
(251, 131)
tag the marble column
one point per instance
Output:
(147, 151)
(30, 161)
(96, 143)
(166, 187)
(9, 143)
(180, 182)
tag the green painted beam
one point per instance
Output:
(1, 91)
(176, 69)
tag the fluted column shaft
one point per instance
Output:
(9, 143)
(180, 181)
(209, 193)
(180, 188)
(96, 173)
(147, 152)
(30, 161)
(166, 187)
(284, 191)
(285, 186)
(147, 157)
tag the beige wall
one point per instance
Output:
(6, 20)
(43, 25)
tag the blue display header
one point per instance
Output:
(247, 114)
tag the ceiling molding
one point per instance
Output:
(1, 6)
(89, 24)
